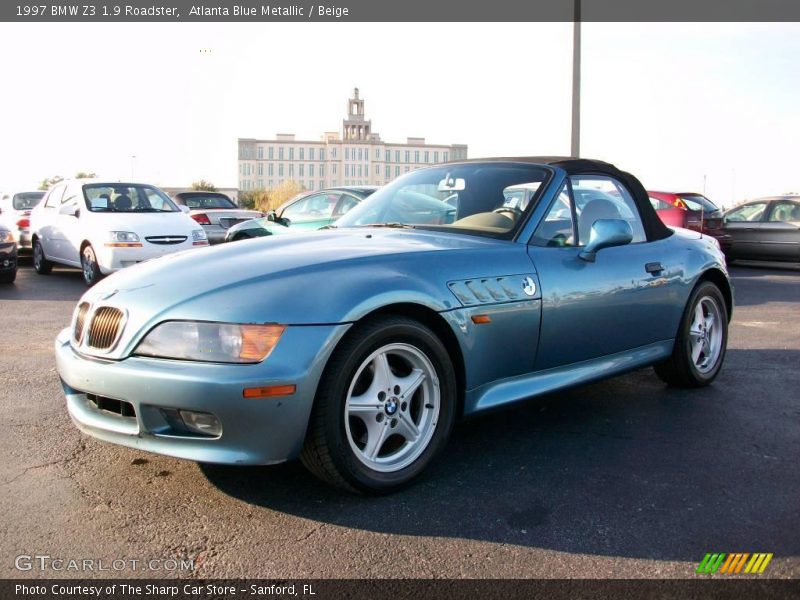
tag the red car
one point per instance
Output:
(683, 209)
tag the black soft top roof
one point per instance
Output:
(654, 227)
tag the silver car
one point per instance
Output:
(215, 212)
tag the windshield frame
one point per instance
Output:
(143, 186)
(545, 174)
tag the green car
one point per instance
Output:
(308, 211)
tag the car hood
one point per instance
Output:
(318, 277)
(144, 224)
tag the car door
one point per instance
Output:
(780, 231)
(743, 227)
(623, 300)
(50, 233)
(71, 225)
(311, 212)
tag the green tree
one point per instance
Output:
(85, 175)
(49, 182)
(204, 186)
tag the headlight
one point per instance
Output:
(122, 236)
(199, 237)
(6, 237)
(211, 342)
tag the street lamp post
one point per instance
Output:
(575, 146)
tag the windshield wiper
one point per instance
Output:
(392, 224)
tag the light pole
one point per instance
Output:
(575, 146)
(133, 164)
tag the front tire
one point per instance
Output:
(701, 342)
(89, 266)
(40, 263)
(385, 407)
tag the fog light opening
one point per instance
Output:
(201, 422)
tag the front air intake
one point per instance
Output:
(105, 328)
(80, 319)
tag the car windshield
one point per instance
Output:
(126, 198)
(698, 202)
(207, 201)
(26, 200)
(477, 198)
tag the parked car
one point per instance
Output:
(685, 209)
(304, 211)
(103, 227)
(357, 347)
(8, 256)
(215, 212)
(762, 229)
(15, 212)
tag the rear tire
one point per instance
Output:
(40, 263)
(89, 266)
(701, 341)
(385, 407)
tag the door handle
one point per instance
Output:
(654, 268)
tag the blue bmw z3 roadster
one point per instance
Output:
(452, 290)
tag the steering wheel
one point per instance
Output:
(513, 211)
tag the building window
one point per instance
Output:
(321, 184)
(269, 169)
(377, 154)
(397, 156)
(291, 166)
(388, 171)
(310, 170)
(260, 168)
(322, 171)
(416, 156)
(397, 171)
(301, 170)
(427, 157)
(445, 157)
(302, 152)
(377, 169)
(310, 154)
(280, 170)
(322, 154)
(406, 171)
(291, 153)
(436, 157)
(388, 155)
(408, 156)
(271, 184)
(271, 154)
(311, 185)
(280, 153)
(261, 184)
(260, 153)
(347, 153)
(333, 166)
(359, 155)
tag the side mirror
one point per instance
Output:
(70, 209)
(271, 216)
(606, 233)
(184, 209)
(284, 221)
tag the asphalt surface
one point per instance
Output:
(625, 478)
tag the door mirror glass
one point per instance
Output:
(606, 233)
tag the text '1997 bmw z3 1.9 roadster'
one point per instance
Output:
(452, 290)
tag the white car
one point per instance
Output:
(15, 210)
(103, 227)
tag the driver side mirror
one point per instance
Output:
(606, 233)
(184, 209)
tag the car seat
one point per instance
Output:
(599, 208)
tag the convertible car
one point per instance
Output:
(357, 348)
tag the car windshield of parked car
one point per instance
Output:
(474, 198)
(26, 200)
(210, 201)
(126, 198)
(698, 202)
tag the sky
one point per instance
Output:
(684, 107)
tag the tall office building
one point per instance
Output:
(357, 156)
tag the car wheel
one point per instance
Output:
(91, 270)
(40, 264)
(8, 277)
(384, 409)
(701, 342)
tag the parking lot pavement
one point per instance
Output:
(624, 478)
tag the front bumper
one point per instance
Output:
(8, 257)
(254, 431)
(112, 259)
